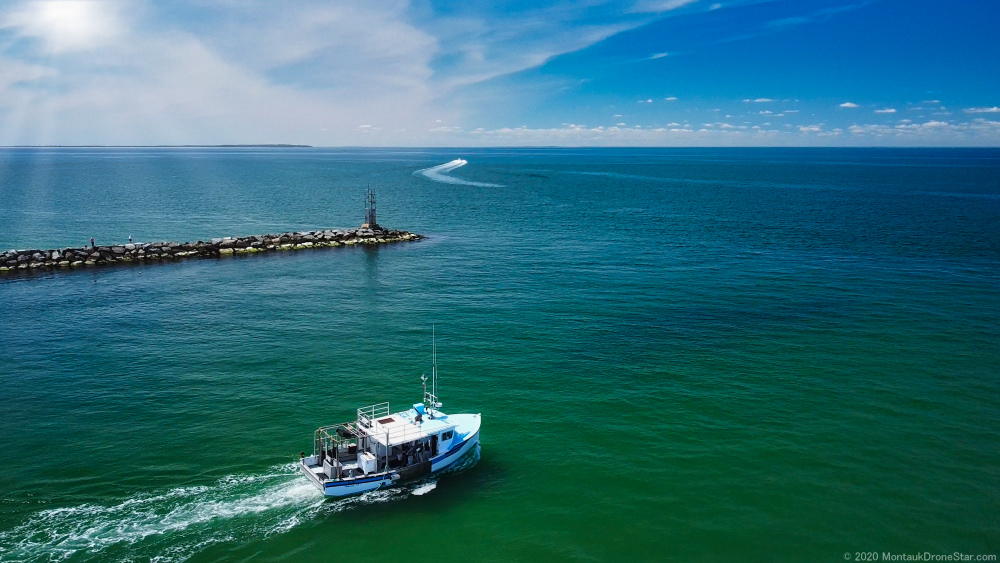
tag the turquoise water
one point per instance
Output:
(679, 355)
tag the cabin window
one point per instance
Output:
(447, 435)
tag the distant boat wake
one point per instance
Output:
(440, 172)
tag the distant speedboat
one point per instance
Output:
(379, 449)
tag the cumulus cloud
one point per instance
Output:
(886, 110)
(673, 99)
(993, 109)
(848, 105)
(759, 100)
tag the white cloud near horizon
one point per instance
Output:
(848, 105)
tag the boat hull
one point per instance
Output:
(364, 485)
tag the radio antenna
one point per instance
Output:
(434, 360)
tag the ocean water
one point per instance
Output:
(679, 355)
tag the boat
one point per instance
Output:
(381, 448)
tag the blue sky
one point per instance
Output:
(471, 73)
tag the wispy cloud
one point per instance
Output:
(661, 5)
(219, 71)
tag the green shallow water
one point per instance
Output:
(679, 355)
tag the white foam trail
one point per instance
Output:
(439, 174)
(426, 488)
(188, 518)
(174, 525)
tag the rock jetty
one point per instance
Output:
(90, 256)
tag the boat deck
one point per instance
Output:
(402, 427)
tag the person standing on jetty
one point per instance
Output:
(91, 242)
(130, 239)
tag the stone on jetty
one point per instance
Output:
(17, 260)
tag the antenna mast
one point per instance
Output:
(430, 399)
(434, 360)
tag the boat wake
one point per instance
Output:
(424, 489)
(170, 526)
(176, 524)
(440, 172)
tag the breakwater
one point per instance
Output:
(91, 256)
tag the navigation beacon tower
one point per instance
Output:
(370, 221)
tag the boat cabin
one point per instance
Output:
(379, 441)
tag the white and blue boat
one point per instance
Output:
(381, 448)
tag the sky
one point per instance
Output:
(500, 73)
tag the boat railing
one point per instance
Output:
(335, 436)
(367, 415)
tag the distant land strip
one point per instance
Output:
(14, 261)
(279, 146)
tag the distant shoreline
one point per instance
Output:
(157, 146)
